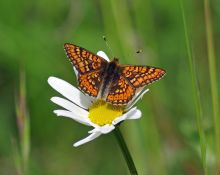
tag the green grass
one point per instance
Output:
(196, 92)
(22, 147)
(213, 79)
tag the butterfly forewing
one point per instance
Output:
(139, 76)
(84, 60)
(89, 67)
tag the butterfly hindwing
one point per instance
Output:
(120, 92)
(90, 83)
(140, 76)
(83, 60)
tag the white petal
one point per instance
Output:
(103, 129)
(93, 130)
(72, 115)
(106, 128)
(70, 92)
(103, 55)
(70, 106)
(131, 114)
(123, 117)
(136, 99)
(87, 139)
(135, 115)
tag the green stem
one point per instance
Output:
(125, 151)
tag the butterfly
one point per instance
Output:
(116, 84)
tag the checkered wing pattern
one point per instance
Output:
(83, 60)
(90, 83)
(89, 67)
(131, 78)
(139, 76)
(120, 92)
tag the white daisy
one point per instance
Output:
(103, 117)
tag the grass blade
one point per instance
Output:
(23, 125)
(196, 92)
(213, 79)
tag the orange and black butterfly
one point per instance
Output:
(115, 83)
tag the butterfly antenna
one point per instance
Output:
(107, 45)
(139, 51)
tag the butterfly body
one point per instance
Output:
(117, 84)
(110, 73)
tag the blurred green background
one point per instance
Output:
(165, 141)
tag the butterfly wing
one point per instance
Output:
(89, 67)
(140, 76)
(90, 83)
(120, 92)
(83, 60)
(131, 78)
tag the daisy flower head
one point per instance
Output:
(93, 112)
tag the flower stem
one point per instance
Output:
(125, 151)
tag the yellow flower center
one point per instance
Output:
(102, 113)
